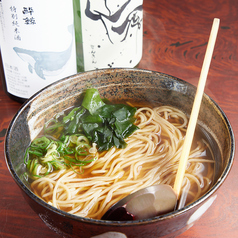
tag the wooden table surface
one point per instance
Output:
(175, 39)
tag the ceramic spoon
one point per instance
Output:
(160, 199)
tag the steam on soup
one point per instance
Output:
(88, 159)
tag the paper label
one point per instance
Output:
(111, 33)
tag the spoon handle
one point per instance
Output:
(196, 107)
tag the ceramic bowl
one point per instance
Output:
(134, 84)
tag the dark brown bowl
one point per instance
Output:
(140, 85)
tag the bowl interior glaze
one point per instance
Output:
(117, 84)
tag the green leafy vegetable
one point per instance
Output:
(92, 100)
(114, 124)
(107, 125)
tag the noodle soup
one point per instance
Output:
(150, 157)
(133, 85)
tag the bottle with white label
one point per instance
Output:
(109, 33)
(37, 40)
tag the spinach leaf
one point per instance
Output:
(92, 100)
(102, 122)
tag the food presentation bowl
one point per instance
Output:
(118, 84)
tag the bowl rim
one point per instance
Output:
(170, 215)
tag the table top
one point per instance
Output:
(175, 40)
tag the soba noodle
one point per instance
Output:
(151, 157)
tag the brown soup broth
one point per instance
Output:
(205, 169)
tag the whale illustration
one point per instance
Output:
(45, 63)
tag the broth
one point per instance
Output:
(151, 157)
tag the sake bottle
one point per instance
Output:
(109, 34)
(37, 40)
